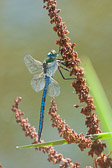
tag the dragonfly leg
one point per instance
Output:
(62, 73)
(64, 68)
(61, 61)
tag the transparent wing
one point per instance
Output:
(38, 82)
(53, 88)
(33, 65)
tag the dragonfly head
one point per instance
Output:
(52, 54)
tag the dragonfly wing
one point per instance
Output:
(53, 88)
(38, 82)
(33, 65)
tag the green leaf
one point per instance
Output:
(59, 142)
(103, 108)
(106, 135)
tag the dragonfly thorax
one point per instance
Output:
(50, 66)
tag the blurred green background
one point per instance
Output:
(25, 29)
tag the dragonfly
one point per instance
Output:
(44, 80)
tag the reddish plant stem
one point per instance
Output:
(73, 62)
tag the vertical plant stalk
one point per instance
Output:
(73, 62)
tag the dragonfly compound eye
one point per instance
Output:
(52, 54)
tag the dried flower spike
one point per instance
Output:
(72, 61)
(30, 131)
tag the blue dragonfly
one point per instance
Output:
(44, 79)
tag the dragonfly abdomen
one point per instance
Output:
(47, 82)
